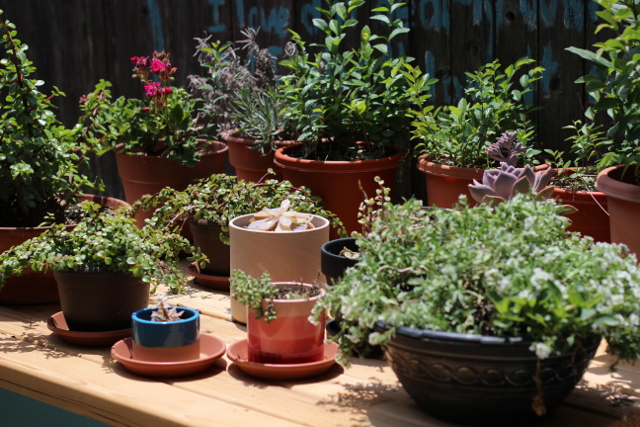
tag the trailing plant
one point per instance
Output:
(615, 86)
(338, 96)
(107, 241)
(506, 270)
(165, 123)
(253, 292)
(220, 198)
(40, 159)
(458, 135)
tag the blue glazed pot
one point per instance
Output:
(166, 341)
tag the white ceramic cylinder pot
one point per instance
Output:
(287, 256)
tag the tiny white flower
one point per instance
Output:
(541, 349)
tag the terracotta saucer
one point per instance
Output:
(237, 353)
(58, 326)
(211, 349)
(208, 280)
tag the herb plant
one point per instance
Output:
(220, 198)
(40, 159)
(459, 135)
(615, 86)
(103, 240)
(507, 270)
(338, 96)
(165, 123)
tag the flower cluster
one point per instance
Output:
(160, 66)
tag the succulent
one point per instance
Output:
(281, 219)
(507, 181)
(506, 148)
(164, 313)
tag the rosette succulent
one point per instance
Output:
(505, 182)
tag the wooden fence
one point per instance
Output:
(74, 43)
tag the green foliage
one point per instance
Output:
(459, 135)
(615, 85)
(40, 159)
(167, 127)
(104, 240)
(343, 95)
(509, 270)
(251, 292)
(220, 198)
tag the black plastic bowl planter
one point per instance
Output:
(332, 264)
(481, 380)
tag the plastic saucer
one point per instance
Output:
(58, 325)
(208, 280)
(237, 353)
(211, 349)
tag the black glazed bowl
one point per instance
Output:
(332, 264)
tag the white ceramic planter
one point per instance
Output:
(287, 256)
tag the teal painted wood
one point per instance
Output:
(22, 411)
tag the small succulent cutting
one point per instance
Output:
(281, 219)
(164, 313)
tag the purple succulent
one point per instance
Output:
(506, 143)
(505, 182)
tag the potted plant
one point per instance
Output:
(40, 165)
(614, 88)
(348, 106)
(452, 140)
(103, 267)
(490, 311)
(242, 99)
(209, 205)
(158, 140)
(278, 326)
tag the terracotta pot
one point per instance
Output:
(142, 175)
(287, 256)
(249, 164)
(95, 300)
(592, 218)
(336, 182)
(36, 287)
(445, 184)
(480, 380)
(171, 341)
(623, 200)
(206, 237)
(290, 338)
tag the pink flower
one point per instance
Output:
(151, 90)
(157, 66)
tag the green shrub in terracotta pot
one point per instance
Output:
(452, 140)
(615, 87)
(490, 311)
(278, 326)
(104, 266)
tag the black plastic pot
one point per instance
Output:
(98, 300)
(206, 237)
(480, 380)
(332, 264)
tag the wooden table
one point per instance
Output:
(86, 380)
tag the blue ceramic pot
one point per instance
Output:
(166, 341)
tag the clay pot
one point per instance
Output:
(142, 175)
(206, 237)
(592, 218)
(36, 287)
(171, 341)
(289, 339)
(287, 256)
(96, 299)
(336, 182)
(623, 201)
(445, 184)
(249, 164)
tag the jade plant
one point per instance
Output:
(459, 135)
(505, 270)
(165, 122)
(220, 198)
(40, 159)
(103, 240)
(338, 96)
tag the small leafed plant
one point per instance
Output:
(163, 312)
(252, 292)
(506, 270)
(106, 241)
(281, 219)
(165, 123)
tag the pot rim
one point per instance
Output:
(193, 314)
(233, 224)
(282, 159)
(613, 187)
(293, 283)
(340, 243)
